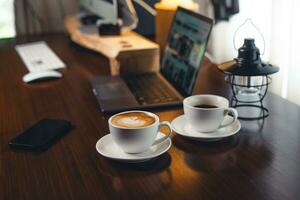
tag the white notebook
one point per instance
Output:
(37, 56)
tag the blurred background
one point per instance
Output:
(277, 20)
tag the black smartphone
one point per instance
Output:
(41, 135)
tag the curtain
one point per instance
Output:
(42, 16)
(278, 21)
(284, 43)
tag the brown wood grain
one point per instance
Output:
(261, 162)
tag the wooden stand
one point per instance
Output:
(128, 53)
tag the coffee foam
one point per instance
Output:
(133, 120)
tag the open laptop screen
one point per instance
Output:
(186, 46)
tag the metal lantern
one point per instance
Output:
(249, 79)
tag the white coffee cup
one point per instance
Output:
(207, 119)
(137, 140)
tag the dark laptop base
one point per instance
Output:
(115, 93)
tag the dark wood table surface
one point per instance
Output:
(261, 162)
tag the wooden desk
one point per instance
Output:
(261, 162)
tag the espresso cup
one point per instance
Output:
(129, 133)
(207, 118)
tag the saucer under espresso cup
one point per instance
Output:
(206, 113)
(183, 128)
(109, 149)
(136, 131)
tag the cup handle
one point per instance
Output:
(160, 140)
(235, 116)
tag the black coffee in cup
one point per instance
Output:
(205, 106)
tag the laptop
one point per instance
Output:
(179, 69)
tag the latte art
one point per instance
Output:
(133, 120)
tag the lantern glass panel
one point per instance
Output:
(249, 89)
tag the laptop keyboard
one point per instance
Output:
(149, 89)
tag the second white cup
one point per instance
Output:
(205, 113)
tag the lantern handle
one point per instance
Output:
(250, 20)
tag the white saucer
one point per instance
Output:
(181, 127)
(108, 148)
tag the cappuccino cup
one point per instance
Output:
(205, 113)
(136, 131)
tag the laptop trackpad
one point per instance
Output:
(113, 93)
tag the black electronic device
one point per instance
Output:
(106, 29)
(41, 135)
(106, 14)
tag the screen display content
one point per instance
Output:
(186, 46)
